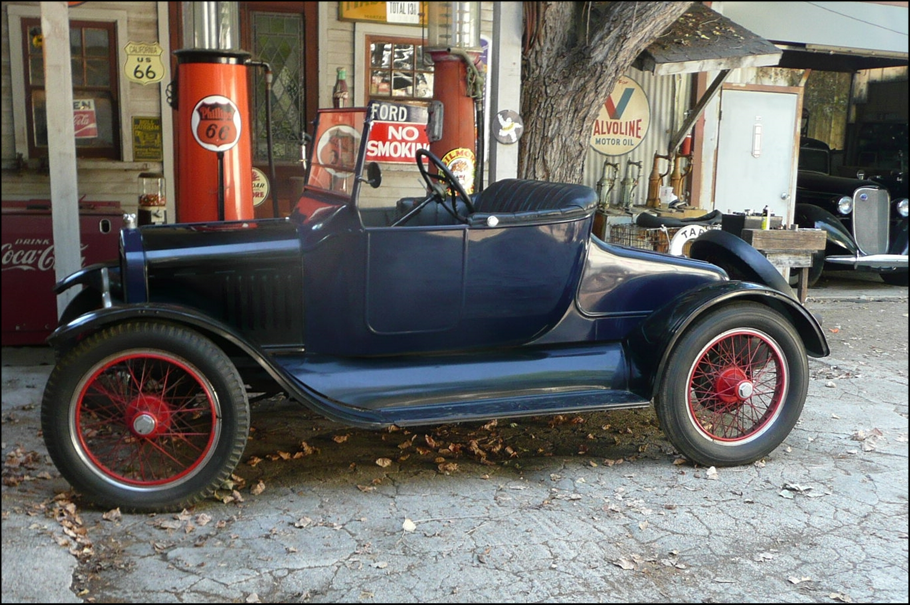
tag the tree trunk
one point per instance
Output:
(575, 52)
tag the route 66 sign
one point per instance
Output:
(143, 62)
(216, 123)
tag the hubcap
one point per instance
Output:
(144, 424)
(148, 416)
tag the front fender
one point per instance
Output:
(812, 217)
(650, 344)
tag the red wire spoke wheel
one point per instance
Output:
(733, 386)
(146, 416)
(737, 386)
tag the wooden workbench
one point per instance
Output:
(791, 248)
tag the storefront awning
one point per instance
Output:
(705, 40)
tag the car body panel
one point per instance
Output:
(512, 310)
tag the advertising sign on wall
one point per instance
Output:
(405, 13)
(623, 120)
(84, 118)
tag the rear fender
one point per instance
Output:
(740, 260)
(650, 344)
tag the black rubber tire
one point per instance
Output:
(145, 416)
(776, 372)
(897, 278)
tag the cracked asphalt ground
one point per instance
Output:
(596, 507)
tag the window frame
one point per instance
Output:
(369, 40)
(21, 121)
(108, 152)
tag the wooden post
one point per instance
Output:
(61, 144)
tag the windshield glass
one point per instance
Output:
(335, 148)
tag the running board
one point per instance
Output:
(427, 389)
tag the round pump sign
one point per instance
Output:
(216, 123)
(623, 120)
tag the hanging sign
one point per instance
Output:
(507, 127)
(260, 187)
(143, 62)
(216, 123)
(403, 13)
(85, 120)
(398, 132)
(623, 120)
(147, 138)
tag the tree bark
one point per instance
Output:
(575, 52)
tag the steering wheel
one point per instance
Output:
(446, 177)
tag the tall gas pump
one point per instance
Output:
(215, 167)
(453, 42)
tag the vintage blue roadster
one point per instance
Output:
(377, 309)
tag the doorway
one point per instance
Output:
(757, 149)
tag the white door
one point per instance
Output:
(756, 153)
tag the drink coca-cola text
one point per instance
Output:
(30, 255)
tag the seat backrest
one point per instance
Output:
(519, 200)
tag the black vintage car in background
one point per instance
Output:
(376, 308)
(865, 218)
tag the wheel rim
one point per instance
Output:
(145, 419)
(737, 387)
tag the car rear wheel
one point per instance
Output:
(145, 416)
(734, 386)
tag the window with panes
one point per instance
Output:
(398, 69)
(96, 103)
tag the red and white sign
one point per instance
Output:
(623, 120)
(84, 119)
(396, 142)
(216, 123)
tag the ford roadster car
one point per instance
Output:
(376, 306)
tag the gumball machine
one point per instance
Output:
(152, 199)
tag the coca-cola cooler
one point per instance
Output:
(29, 303)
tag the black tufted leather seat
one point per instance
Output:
(519, 201)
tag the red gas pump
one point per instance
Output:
(215, 172)
(453, 41)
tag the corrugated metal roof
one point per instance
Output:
(704, 40)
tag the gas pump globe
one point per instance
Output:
(453, 25)
(214, 175)
(453, 42)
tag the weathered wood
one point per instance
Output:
(789, 258)
(779, 240)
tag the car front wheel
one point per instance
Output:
(145, 416)
(734, 386)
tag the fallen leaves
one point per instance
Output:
(869, 439)
(18, 463)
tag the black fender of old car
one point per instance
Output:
(652, 341)
(839, 239)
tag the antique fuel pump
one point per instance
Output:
(214, 170)
(655, 180)
(629, 184)
(453, 42)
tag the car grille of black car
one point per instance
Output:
(870, 220)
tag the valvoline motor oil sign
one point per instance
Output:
(623, 120)
(398, 132)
